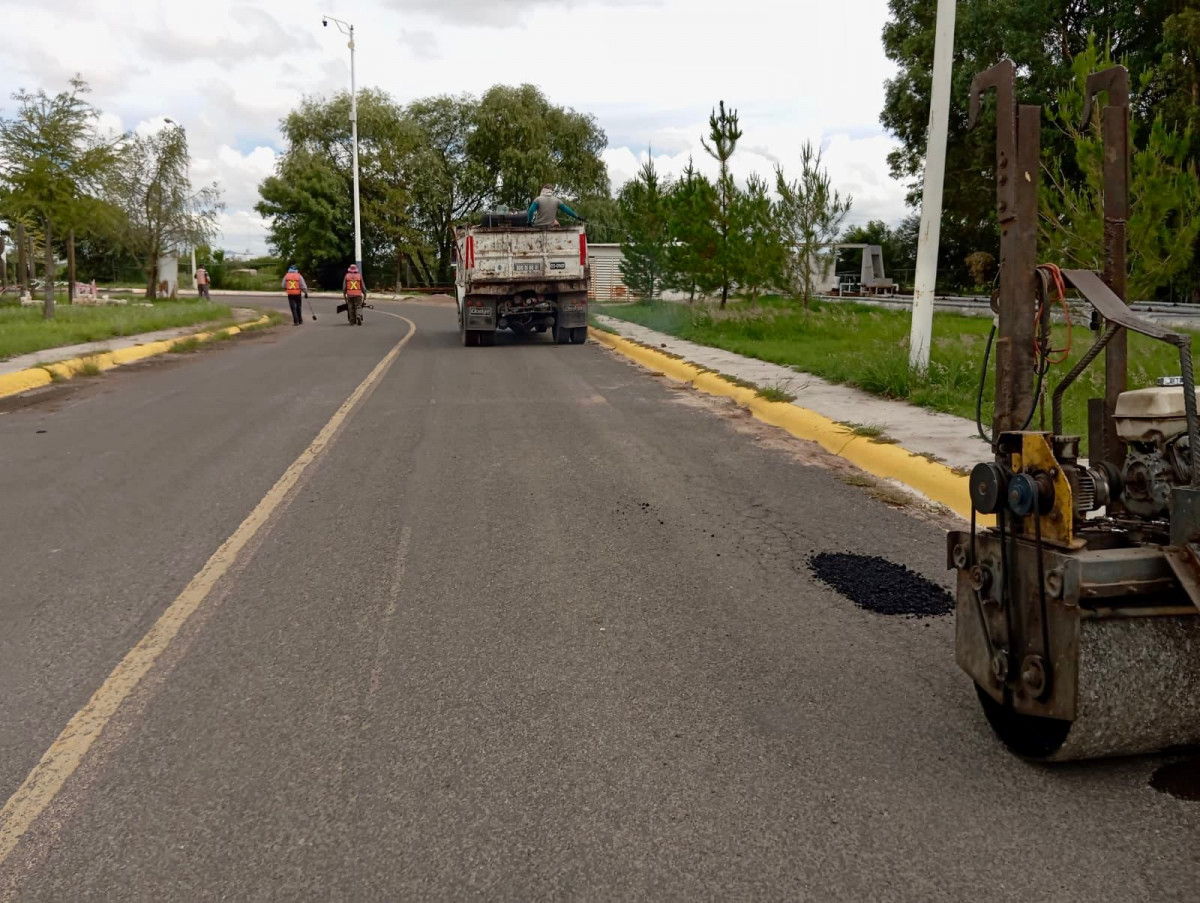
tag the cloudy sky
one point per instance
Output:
(649, 70)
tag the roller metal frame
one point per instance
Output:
(1032, 591)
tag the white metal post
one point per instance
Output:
(347, 29)
(354, 135)
(921, 335)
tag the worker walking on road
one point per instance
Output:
(202, 282)
(354, 291)
(544, 209)
(297, 290)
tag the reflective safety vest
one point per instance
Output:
(353, 284)
(293, 283)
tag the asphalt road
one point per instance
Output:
(535, 625)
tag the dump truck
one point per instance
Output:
(527, 279)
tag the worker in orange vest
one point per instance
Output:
(354, 291)
(296, 288)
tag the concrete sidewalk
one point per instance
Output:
(87, 349)
(949, 439)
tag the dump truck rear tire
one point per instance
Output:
(579, 335)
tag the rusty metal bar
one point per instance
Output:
(1021, 311)
(1115, 130)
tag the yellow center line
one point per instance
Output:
(65, 754)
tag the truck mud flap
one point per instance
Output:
(481, 314)
(572, 314)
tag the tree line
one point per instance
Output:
(103, 201)
(424, 167)
(1055, 44)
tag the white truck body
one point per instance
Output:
(521, 278)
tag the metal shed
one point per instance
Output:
(607, 283)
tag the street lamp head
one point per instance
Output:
(325, 23)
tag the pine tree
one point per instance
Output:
(761, 245)
(691, 215)
(810, 214)
(643, 207)
(723, 136)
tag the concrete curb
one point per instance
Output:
(887, 461)
(36, 377)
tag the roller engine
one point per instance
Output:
(1079, 580)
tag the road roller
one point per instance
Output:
(1078, 582)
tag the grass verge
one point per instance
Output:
(867, 347)
(22, 329)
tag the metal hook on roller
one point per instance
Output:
(1114, 80)
(1001, 77)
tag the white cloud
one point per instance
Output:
(649, 70)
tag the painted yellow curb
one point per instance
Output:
(933, 480)
(35, 377)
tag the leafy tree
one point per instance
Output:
(161, 210)
(309, 199)
(424, 169)
(1042, 37)
(691, 218)
(446, 184)
(721, 142)
(605, 221)
(643, 208)
(1164, 219)
(763, 256)
(810, 213)
(523, 141)
(52, 164)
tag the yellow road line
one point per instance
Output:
(58, 763)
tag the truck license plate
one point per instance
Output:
(558, 264)
(527, 267)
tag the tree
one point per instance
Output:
(762, 257)
(691, 217)
(447, 185)
(605, 222)
(1164, 219)
(643, 209)
(154, 191)
(424, 169)
(309, 199)
(1042, 37)
(724, 132)
(810, 213)
(52, 162)
(523, 141)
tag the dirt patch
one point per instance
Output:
(881, 586)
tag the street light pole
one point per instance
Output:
(347, 29)
(921, 336)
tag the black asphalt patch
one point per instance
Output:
(1179, 779)
(881, 586)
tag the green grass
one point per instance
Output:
(186, 346)
(88, 367)
(775, 393)
(22, 329)
(872, 431)
(867, 347)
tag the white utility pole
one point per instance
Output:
(931, 198)
(347, 29)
